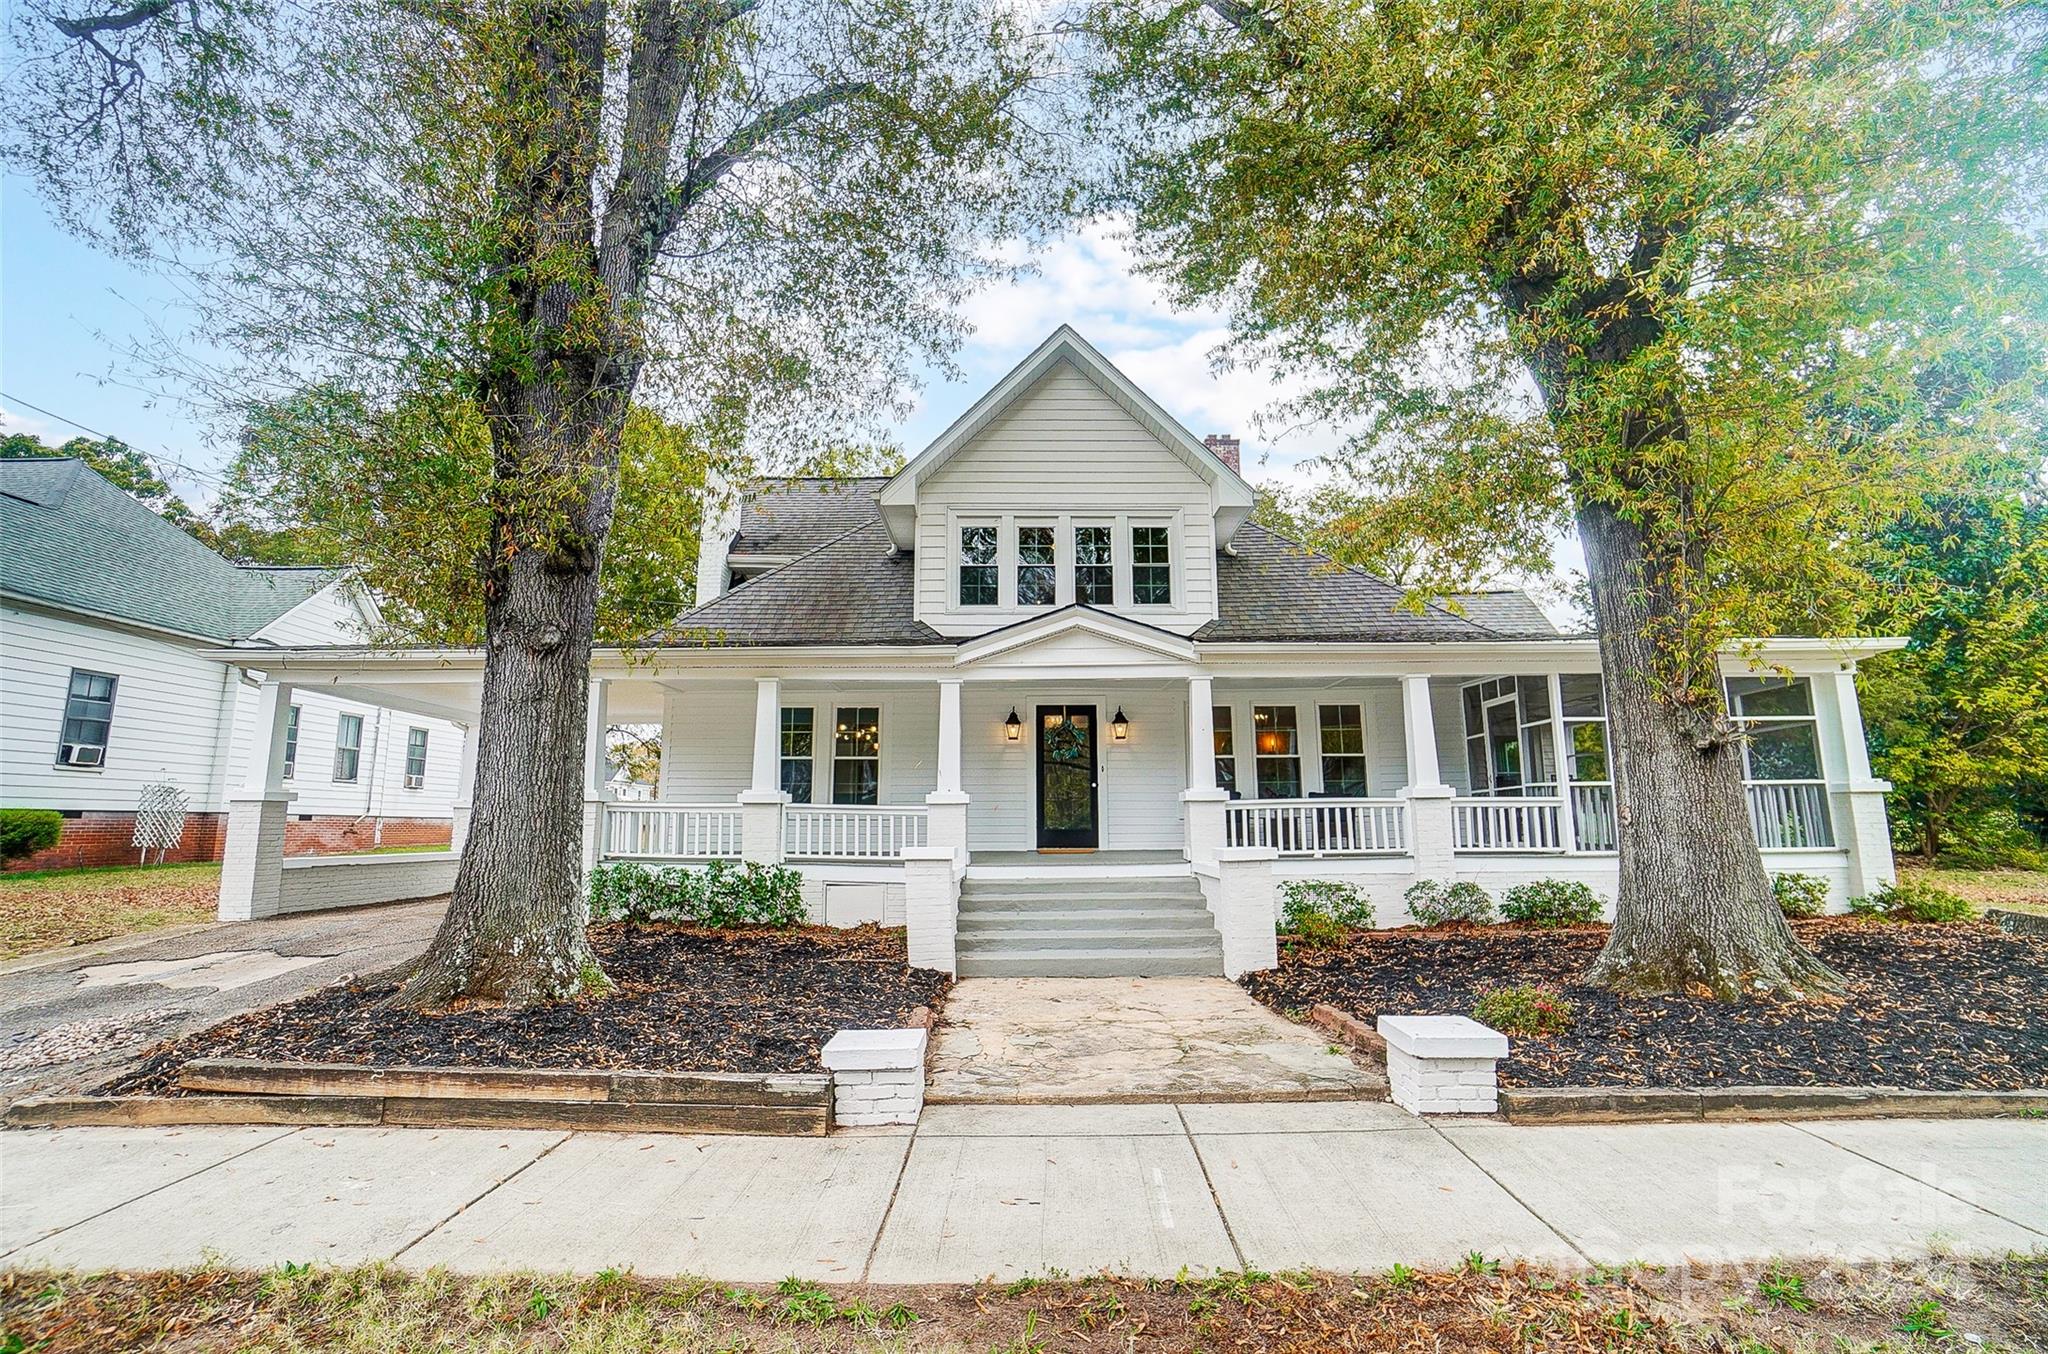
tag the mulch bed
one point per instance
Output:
(685, 1000)
(1927, 1007)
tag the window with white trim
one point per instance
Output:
(978, 567)
(348, 747)
(291, 742)
(88, 718)
(1342, 729)
(857, 755)
(1226, 750)
(415, 758)
(799, 745)
(1276, 751)
(1037, 566)
(1095, 566)
(1776, 713)
(1152, 566)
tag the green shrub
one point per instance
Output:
(721, 894)
(1550, 902)
(1800, 895)
(1321, 910)
(23, 832)
(1434, 903)
(1913, 900)
(1527, 1008)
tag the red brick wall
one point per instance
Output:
(95, 839)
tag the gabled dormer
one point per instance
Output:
(1065, 483)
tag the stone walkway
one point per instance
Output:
(1129, 1041)
(1009, 1191)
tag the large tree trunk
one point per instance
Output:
(1695, 909)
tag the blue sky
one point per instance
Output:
(71, 314)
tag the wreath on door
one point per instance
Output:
(1065, 742)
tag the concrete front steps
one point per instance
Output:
(1086, 926)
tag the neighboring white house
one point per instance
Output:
(108, 684)
(1048, 697)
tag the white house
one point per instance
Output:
(109, 617)
(1048, 697)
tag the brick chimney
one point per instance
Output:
(1225, 448)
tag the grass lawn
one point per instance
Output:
(46, 908)
(1987, 1306)
(2013, 890)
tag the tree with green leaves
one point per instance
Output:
(751, 215)
(1959, 719)
(1719, 284)
(121, 466)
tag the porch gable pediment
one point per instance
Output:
(1080, 636)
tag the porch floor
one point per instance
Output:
(1129, 1041)
(1054, 860)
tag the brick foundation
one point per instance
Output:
(97, 838)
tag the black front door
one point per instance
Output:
(1066, 777)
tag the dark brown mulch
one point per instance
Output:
(685, 999)
(1927, 1007)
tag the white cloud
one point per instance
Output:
(12, 423)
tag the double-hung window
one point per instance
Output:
(348, 747)
(1094, 566)
(415, 759)
(1276, 751)
(1151, 566)
(1226, 750)
(88, 719)
(291, 742)
(799, 736)
(1343, 735)
(857, 755)
(978, 565)
(1037, 567)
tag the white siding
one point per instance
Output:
(379, 788)
(1141, 779)
(1065, 451)
(327, 617)
(167, 713)
(708, 740)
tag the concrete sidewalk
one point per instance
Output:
(1007, 1191)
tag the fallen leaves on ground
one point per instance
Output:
(74, 907)
(1927, 1007)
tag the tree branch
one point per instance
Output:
(705, 172)
(134, 17)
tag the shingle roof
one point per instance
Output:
(857, 589)
(69, 539)
(1270, 589)
(1507, 610)
(795, 516)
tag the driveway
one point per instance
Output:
(69, 1019)
(1005, 1191)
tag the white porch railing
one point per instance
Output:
(1506, 823)
(843, 832)
(1790, 814)
(1593, 823)
(1318, 827)
(678, 831)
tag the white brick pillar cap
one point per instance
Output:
(875, 1050)
(1442, 1036)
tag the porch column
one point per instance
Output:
(761, 803)
(1203, 802)
(252, 861)
(595, 721)
(1430, 839)
(1567, 823)
(465, 793)
(946, 805)
(1861, 826)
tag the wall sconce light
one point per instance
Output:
(1013, 727)
(1119, 727)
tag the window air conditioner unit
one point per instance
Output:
(81, 754)
(415, 782)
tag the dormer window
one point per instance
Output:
(1037, 567)
(1094, 566)
(1151, 566)
(978, 565)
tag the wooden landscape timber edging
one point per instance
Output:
(1348, 1029)
(1623, 1104)
(247, 1091)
